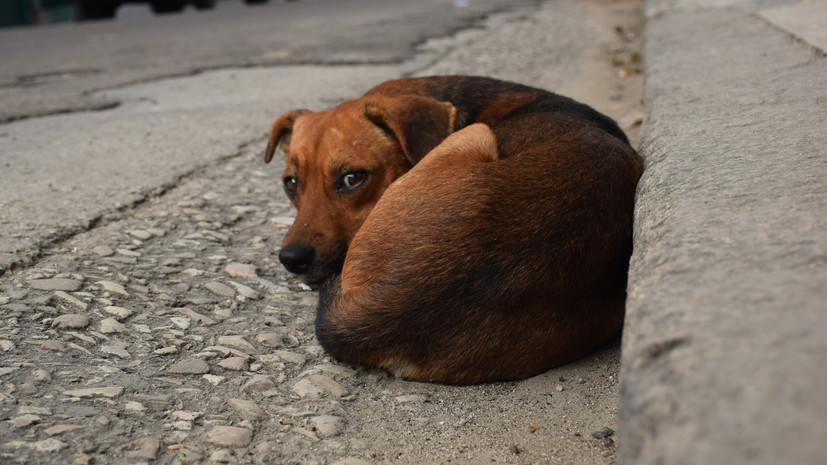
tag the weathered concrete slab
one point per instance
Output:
(723, 353)
(806, 20)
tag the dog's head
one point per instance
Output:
(339, 163)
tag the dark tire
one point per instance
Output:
(98, 9)
(255, 2)
(167, 6)
(203, 4)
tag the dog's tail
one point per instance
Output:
(329, 292)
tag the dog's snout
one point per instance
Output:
(297, 258)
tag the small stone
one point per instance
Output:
(181, 322)
(182, 425)
(6, 345)
(337, 370)
(329, 385)
(129, 253)
(327, 426)
(51, 344)
(145, 449)
(119, 312)
(141, 328)
(271, 339)
(24, 420)
(115, 350)
(234, 363)
(59, 429)
(245, 291)
(193, 366)
(157, 232)
(307, 390)
(220, 289)
(133, 406)
(229, 436)
(193, 272)
(109, 391)
(17, 293)
(71, 320)
(558, 388)
(248, 409)
(258, 383)
(112, 286)
(140, 234)
(514, 449)
(197, 317)
(46, 445)
(241, 270)
(186, 415)
(166, 350)
(236, 341)
(71, 299)
(215, 380)
(56, 284)
(42, 376)
(103, 251)
(222, 456)
(111, 325)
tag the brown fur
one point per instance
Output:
(502, 253)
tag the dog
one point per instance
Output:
(460, 229)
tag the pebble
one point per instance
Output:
(329, 385)
(222, 456)
(103, 251)
(270, 339)
(57, 346)
(197, 317)
(193, 366)
(215, 380)
(220, 289)
(119, 312)
(166, 350)
(112, 286)
(6, 345)
(247, 408)
(109, 391)
(234, 363)
(42, 376)
(236, 341)
(245, 291)
(307, 390)
(56, 284)
(145, 449)
(111, 325)
(258, 383)
(241, 270)
(24, 420)
(186, 415)
(181, 322)
(71, 299)
(46, 445)
(60, 429)
(140, 234)
(71, 320)
(115, 350)
(229, 436)
(327, 426)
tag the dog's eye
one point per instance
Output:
(351, 180)
(291, 185)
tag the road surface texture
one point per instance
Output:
(724, 347)
(144, 317)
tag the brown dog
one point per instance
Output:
(500, 254)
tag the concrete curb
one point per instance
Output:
(724, 346)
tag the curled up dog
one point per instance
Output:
(461, 229)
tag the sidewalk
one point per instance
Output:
(724, 348)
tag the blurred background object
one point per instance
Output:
(29, 12)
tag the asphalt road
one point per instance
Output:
(83, 138)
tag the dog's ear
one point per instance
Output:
(281, 132)
(418, 123)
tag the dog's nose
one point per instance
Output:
(297, 257)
